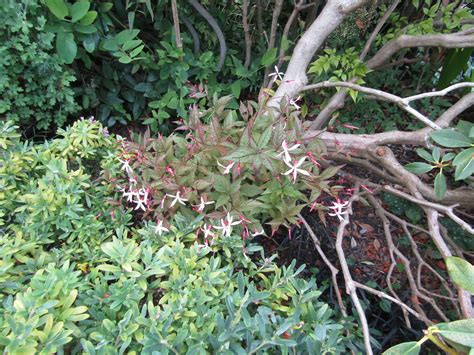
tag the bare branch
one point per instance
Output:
(350, 286)
(377, 29)
(442, 40)
(177, 32)
(438, 93)
(401, 102)
(390, 298)
(448, 210)
(332, 268)
(248, 40)
(286, 30)
(295, 78)
(452, 40)
(273, 31)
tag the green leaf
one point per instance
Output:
(79, 10)
(408, 348)
(461, 272)
(265, 137)
(436, 154)
(440, 186)
(454, 64)
(110, 268)
(125, 59)
(269, 57)
(66, 46)
(89, 18)
(419, 168)
(235, 88)
(450, 138)
(461, 331)
(424, 154)
(58, 8)
(136, 51)
(463, 171)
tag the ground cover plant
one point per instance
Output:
(167, 168)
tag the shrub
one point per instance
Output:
(240, 173)
(35, 86)
(76, 277)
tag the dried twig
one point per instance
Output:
(332, 268)
(351, 289)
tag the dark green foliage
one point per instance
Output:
(35, 86)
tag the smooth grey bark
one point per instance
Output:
(295, 77)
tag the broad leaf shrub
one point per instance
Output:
(35, 85)
(240, 169)
(452, 157)
(76, 276)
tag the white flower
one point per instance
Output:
(294, 104)
(286, 151)
(262, 232)
(337, 209)
(130, 194)
(226, 225)
(126, 166)
(177, 198)
(207, 231)
(141, 201)
(226, 168)
(203, 204)
(160, 229)
(277, 74)
(295, 169)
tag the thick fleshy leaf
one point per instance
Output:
(58, 8)
(440, 186)
(450, 138)
(419, 168)
(461, 331)
(409, 348)
(461, 272)
(66, 46)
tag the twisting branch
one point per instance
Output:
(194, 34)
(332, 268)
(248, 40)
(215, 26)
